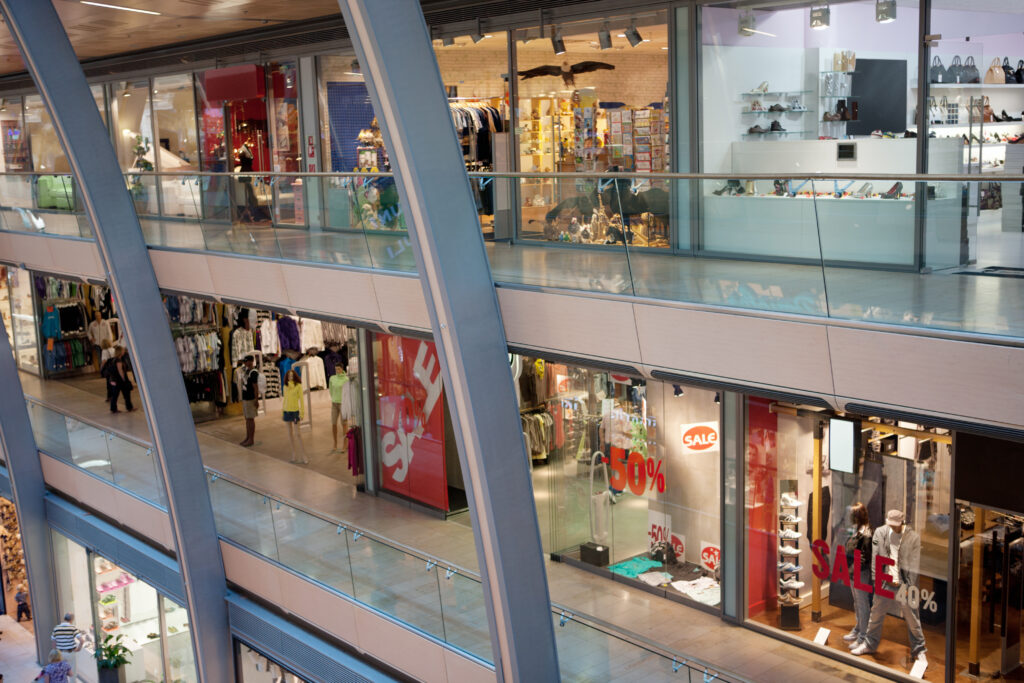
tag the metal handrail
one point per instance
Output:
(87, 421)
(606, 175)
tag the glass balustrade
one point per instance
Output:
(925, 252)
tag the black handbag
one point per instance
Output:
(1018, 75)
(937, 74)
(969, 72)
(1011, 76)
(955, 71)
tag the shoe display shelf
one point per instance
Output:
(789, 597)
(836, 88)
(781, 99)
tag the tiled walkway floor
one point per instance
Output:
(675, 626)
(17, 652)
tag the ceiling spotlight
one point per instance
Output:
(633, 36)
(3, 104)
(820, 17)
(747, 24)
(127, 93)
(477, 37)
(447, 41)
(718, 398)
(557, 43)
(479, 34)
(604, 36)
(677, 390)
(885, 11)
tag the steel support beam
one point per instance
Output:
(394, 48)
(51, 61)
(28, 487)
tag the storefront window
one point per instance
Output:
(17, 191)
(133, 141)
(286, 141)
(255, 667)
(177, 148)
(418, 454)
(593, 97)
(154, 628)
(848, 521)
(23, 315)
(626, 474)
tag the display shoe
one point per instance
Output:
(789, 567)
(787, 518)
(964, 138)
(1004, 116)
(756, 106)
(877, 133)
(756, 130)
(776, 127)
(862, 649)
(894, 191)
(787, 599)
(909, 133)
(851, 637)
(829, 116)
(780, 188)
(789, 551)
(974, 138)
(777, 108)
(855, 644)
(763, 88)
(788, 500)
(864, 191)
(790, 535)
(791, 584)
(796, 105)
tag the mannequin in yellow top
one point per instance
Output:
(294, 410)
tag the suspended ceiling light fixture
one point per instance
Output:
(120, 7)
(604, 37)
(633, 36)
(748, 26)
(479, 35)
(557, 42)
(885, 11)
(820, 17)
(447, 41)
(354, 69)
(718, 398)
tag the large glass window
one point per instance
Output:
(593, 97)
(255, 667)
(848, 530)
(286, 140)
(23, 314)
(74, 596)
(177, 143)
(132, 115)
(626, 474)
(17, 191)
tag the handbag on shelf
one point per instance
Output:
(969, 72)
(952, 110)
(1018, 75)
(995, 73)
(935, 112)
(987, 112)
(1008, 71)
(955, 71)
(937, 72)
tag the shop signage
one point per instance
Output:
(840, 572)
(710, 555)
(701, 437)
(639, 473)
(659, 524)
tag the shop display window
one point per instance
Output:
(848, 526)
(418, 455)
(626, 475)
(285, 141)
(17, 190)
(132, 116)
(255, 667)
(177, 143)
(23, 316)
(593, 96)
(108, 600)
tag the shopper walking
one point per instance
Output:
(21, 597)
(293, 411)
(56, 670)
(250, 399)
(99, 331)
(67, 640)
(898, 542)
(117, 380)
(860, 539)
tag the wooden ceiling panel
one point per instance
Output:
(102, 32)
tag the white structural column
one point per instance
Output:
(51, 61)
(397, 58)
(27, 484)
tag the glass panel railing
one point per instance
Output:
(122, 461)
(940, 252)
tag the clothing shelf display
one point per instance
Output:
(311, 335)
(187, 310)
(198, 351)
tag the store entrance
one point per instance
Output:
(14, 599)
(990, 594)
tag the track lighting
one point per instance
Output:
(747, 24)
(677, 390)
(718, 398)
(820, 17)
(447, 41)
(633, 36)
(557, 43)
(477, 37)
(604, 37)
(885, 11)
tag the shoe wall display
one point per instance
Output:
(789, 570)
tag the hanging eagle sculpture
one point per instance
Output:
(566, 71)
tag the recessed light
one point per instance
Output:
(120, 7)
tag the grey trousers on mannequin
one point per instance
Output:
(861, 608)
(879, 608)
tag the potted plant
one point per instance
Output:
(111, 656)
(138, 185)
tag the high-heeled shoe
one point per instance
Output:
(894, 192)
(763, 88)
(864, 190)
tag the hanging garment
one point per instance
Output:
(315, 372)
(288, 333)
(270, 344)
(354, 442)
(351, 408)
(241, 345)
(311, 333)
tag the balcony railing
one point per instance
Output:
(909, 250)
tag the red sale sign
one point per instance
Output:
(411, 419)
(701, 437)
(710, 555)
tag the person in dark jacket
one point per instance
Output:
(860, 539)
(117, 380)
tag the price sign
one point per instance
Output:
(710, 555)
(659, 527)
